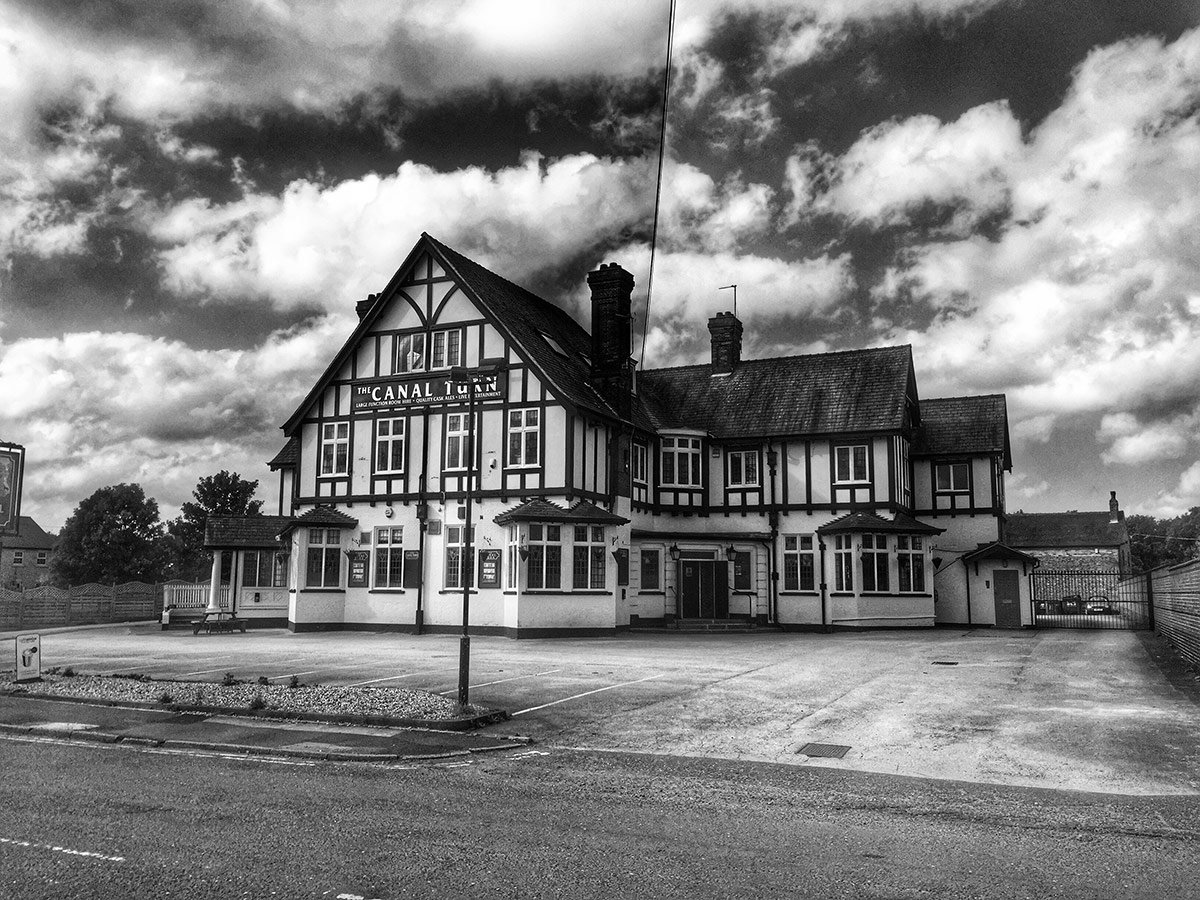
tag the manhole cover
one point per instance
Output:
(944, 662)
(830, 751)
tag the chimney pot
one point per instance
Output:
(726, 331)
(1114, 509)
(362, 307)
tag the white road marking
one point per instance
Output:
(528, 754)
(91, 854)
(502, 680)
(293, 674)
(391, 678)
(273, 662)
(588, 693)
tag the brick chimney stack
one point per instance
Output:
(1114, 509)
(726, 331)
(362, 307)
(612, 335)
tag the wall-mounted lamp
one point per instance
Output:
(730, 552)
(523, 552)
(937, 562)
(674, 551)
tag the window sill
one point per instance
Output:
(744, 593)
(321, 590)
(800, 594)
(524, 467)
(458, 591)
(334, 475)
(841, 593)
(893, 594)
(386, 473)
(386, 591)
(568, 593)
(658, 593)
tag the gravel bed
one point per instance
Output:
(323, 700)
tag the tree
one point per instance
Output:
(1156, 542)
(113, 536)
(223, 494)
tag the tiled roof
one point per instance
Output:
(865, 521)
(964, 425)
(232, 532)
(288, 455)
(824, 393)
(1068, 529)
(326, 515)
(31, 537)
(997, 550)
(582, 513)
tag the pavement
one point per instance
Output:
(1104, 711)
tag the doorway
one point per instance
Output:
(703, 589)
(1007, 588)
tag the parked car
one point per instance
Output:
(1070, 605)
(1098, 606)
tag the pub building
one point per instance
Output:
(807, 492)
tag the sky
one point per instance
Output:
(195, 193)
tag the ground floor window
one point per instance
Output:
(799, 563)
(324, 567)
(456, 563)
(512, 553)
(910, 561)
(874, 562)
(651, 569)
(545, 557)
(389, 557)
(263, 568)
(843, 563)
(588, 563)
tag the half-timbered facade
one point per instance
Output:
(802, 491)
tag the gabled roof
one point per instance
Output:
(869, 522)
(520, 313)
(846, 392)
(964, 426)
(30, 537)
(1065, 530)
(235, 532)
(997, 550)
(325, 515)
(582, 513)
(288, 455)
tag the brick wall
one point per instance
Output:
(1061, 560)
(1177, 608)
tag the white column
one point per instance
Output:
(214, 585)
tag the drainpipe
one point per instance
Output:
(773, 519)
(824, 588)
(422, 517)
(967, 569)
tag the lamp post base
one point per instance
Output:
(464, 670)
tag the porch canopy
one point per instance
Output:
(582, 513)
(860, 522)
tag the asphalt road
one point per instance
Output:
(97, 821)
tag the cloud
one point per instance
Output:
(1133, 443)
(1181, 498)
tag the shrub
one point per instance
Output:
(166, 698)
(228, 680)
(68, 672)
(257, 702)
(294, 682)
(263, 679)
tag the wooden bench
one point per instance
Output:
(218, 622)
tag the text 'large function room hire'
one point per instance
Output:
(472, 435)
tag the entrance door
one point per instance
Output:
(703, 589)
(1007, 584)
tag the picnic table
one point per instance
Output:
(218, 622)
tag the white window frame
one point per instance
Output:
(512, 553)
(544, 570)
(680, 448)
(390, 435)
(325, 541)
(252, 574)
(42, 558)
(410, 353)
(335, 437)
(641, 460)
(18, 557)
(796, 549)
(910, 561)
(458, 438)
(950, 468)
(388, 571)
(525, 426)
(590, 545)
(741, 458)
(843, 564)
(875, 563)
(658, 569)
(455, 557)
(846, 464)
(441, 343)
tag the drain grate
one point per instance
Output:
(944, 662)
(829, 751)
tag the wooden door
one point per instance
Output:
(1007, 586)
(689, 588)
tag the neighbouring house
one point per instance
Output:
(25, 559)
(1074, 541)
(470, 435)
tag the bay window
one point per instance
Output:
(324, 564)
(545, 557)
(910, 563)
(588, 560)
(874, 562)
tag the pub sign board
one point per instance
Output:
(399, 393)
(489, 568)
(360, 561)
(12, 472)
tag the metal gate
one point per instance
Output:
(1091, 600)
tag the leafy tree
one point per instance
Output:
(1156, 542)
(223, 494)
(113, 536)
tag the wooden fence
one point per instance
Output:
(86, 604)
(1176, 597)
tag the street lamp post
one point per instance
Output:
(488, 369)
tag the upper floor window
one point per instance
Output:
(324, 563)
(524, 435)
(741, 468)
(651, 569)
(335, 448)
(850, 464)
(843, 563)
(263, 568)
(874, 562)
(389, 445)
(42, 557)
(588, 562)
(681, 461)
(410, 352)
(640, 468)
(910, 563)
(18, 557)
(389, 557)
(952, 478)
(457, 436)
(799, 563)
(545, 557)
(446, 349)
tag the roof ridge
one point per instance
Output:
(995, 396)
(766, 359)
